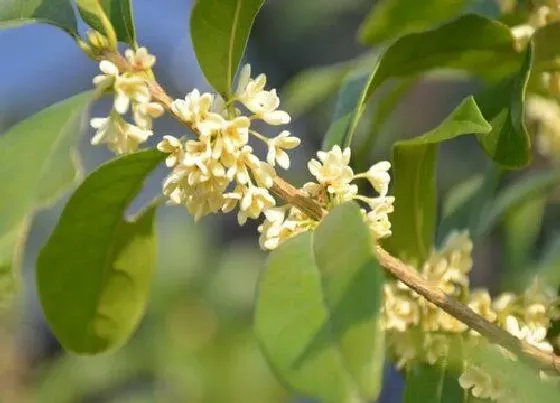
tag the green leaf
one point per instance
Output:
(119, 14)
(437, 383)
(55, 12)
(349, 107)
(392, 18)
(38, 161)
(414, 164)
(317, 311)
(529, 187)
(503, 106)
(219, 31)
(94, 274)
(472, 43)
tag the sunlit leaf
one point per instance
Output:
(317, 311)
(219, 31)
(38, 161)
(94, 274)
(55, 12)
(389, 19)
(414, 173)
(118, 12)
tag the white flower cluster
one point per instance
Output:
(334, 186)
(217, 170)
(419, 331)
(131, 92)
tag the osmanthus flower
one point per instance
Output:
(264, 104)
(333, 170)
(119, 136)
(129, 88)
(140, 59)
(276, 147)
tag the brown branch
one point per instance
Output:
(397, 268)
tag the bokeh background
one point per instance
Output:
(196, 343)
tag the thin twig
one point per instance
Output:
(397, 268)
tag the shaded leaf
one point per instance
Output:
(55, 12)
(38, 159)
(529, 187)
(391, 18)
(219, 31)
(94, 299)
(317, 311)
(350, 104)
(503, 106)
(437, 383)
(472, 43)
(414, 172)
(118, 12)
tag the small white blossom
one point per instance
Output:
(120, 137)
(264, 104)
(254, 201)
(109, 76)
(127, 89)
(140, 59)
(172, 146)
(333, 170)
(144, 113)
(379, 177)
(276, 147)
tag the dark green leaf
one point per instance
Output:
(503, 106)
(219, 31)
(391, 18)
(119, 13)
(437, 383)
(349, 107)
(529, 187)
(414, 164)
(317, 311)
(38, 162)
(54, 12)
(94, 274)
(472, 43)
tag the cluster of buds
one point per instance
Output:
(418, 331)
(130, 93)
